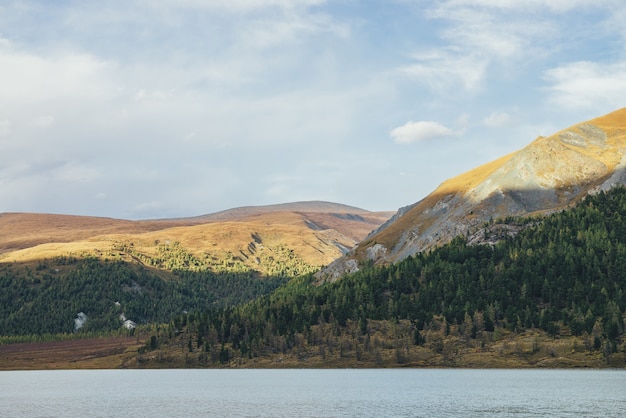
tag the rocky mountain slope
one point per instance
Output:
(250, 238)
(550, 174)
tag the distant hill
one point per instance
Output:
(316, 232)
(518, 263)
(57, 268)
(314, 206)
(26, 230)
(550, 174)
(551, 296)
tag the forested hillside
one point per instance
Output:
(551, 295)
(549, 174)
(82, 276)
(563, 276)
(48, 299)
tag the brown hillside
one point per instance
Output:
(249, 237)
(552, 173)
(315, 206)
(24, 230)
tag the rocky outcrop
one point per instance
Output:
(550, 174)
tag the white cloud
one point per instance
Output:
(526, 5)
(482, 35)
(233, 25)
(473, 41)
(116, 121)
(588, 85)
(487, 32)
(616, 21)
(150, 95)
(5, 127)
(463, 120)
(28, 77)
(445, 70)
(497, 120)
(148, 206)
(75, 173)
(132, 100)
(232, 6)
(420, 131)
(43, 121)
(263, 34)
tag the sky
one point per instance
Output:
(144, 109)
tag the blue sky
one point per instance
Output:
(143, 109)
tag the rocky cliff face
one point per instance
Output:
(548, 175)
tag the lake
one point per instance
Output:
(313, 393)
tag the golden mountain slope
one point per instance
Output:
(251, 239)
(549, 174)
(25, 230)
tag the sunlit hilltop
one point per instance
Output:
(549, 174)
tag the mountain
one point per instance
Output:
(552, 296)
(26, 230)
(314, 232)
(550, 174)
(60, 274)
(306, 207)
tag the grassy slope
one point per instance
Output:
(531, 349)
(613, 124)
(93, 353)
(313, 236)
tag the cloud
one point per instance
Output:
(482, 40)
(108, 105)
(72, 172)
(616, 21)
(43, 121)
(462, 121)
(472, 41)
(5, 127)
(497, 120)
(58, 103)
(420, 131)
(231, 6)
(587, 85)
(488, 33)
(30, 77)
(148, 206)
(236, 27)
(263, 34)
(526, 5)
(444, 70)
(115, 122)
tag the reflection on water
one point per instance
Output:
(314, 393)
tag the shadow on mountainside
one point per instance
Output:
(440, 217)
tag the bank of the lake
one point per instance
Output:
(531, 349)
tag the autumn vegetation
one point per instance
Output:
(550, 296)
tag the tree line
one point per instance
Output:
(565, 275)
(46, 299)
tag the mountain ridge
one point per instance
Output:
(317, 232)
(299, 206)
(551, 173)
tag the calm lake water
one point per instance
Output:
(313, 393)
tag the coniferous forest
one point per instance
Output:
(563, 275)
(47, 299)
